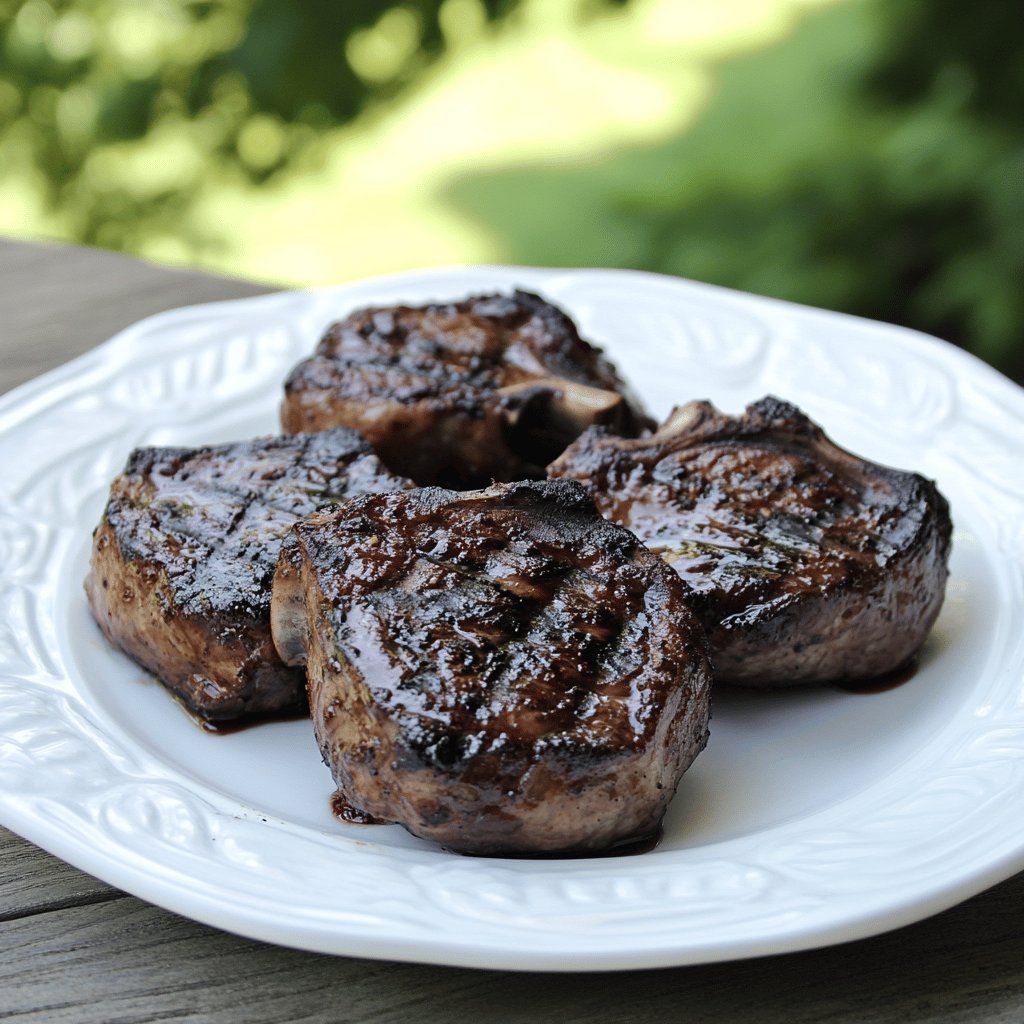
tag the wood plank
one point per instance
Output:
(57, 302)
(32, 882)
(130, 962)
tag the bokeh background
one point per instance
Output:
(860, 155)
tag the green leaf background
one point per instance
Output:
(859, 155)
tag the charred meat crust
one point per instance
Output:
(461, 393)
(807, 563)
(501, 671)
(183, 560)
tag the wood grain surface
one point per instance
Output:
(75, 949)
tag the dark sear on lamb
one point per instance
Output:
(808, 564)
(461, 393)
(501, 671)
(184, 556)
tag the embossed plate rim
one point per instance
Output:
(74, 784)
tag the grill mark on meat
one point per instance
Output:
(500, 671)
(807, 564)
(526, 622)
(460, 393)
(183, 560)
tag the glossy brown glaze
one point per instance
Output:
(460, 393)
(807, 563)
(231, 726)
(500, 671)
(183, 558)
(882, 684)
(344, 811)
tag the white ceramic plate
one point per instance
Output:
(810, 819)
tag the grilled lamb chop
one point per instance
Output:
(183, 558)
(808, 564)
(460, 394)
(501, 671)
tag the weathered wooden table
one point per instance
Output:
(75, 949)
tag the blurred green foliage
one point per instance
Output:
(246, 86)
(955, 73)
(871, 160)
